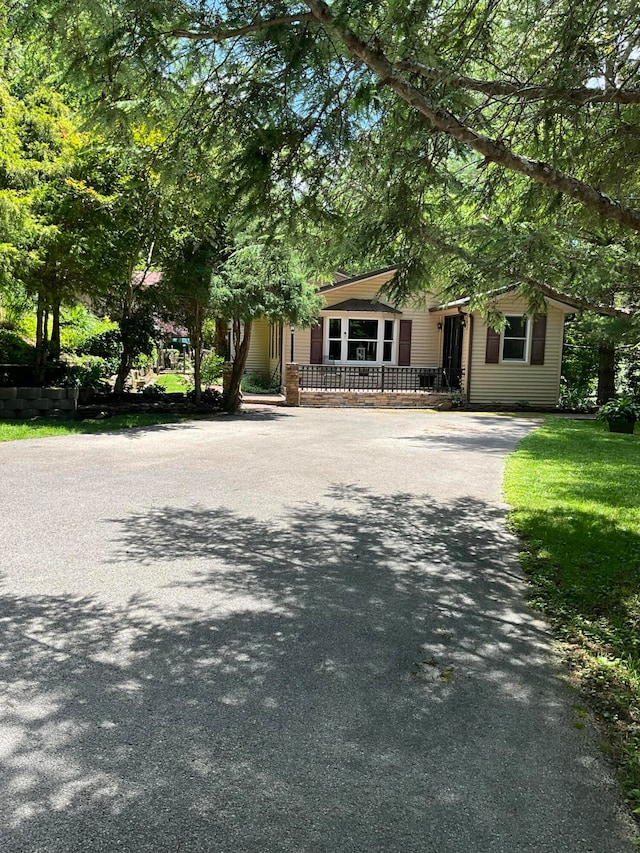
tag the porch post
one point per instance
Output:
(292, 387)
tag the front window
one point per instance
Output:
(349, 340)
(514, 339)
(362, 341)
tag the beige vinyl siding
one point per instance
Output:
(367, 289)
(514, 382)
(301, 345)
(258, 358)
(426, 339)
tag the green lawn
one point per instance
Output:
(576, 497)
(14, 430)
(174, 383)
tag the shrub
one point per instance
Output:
(577, 397)
(14, 306)
(107, 345)
(79, 326)
(146, 361)
(85, 371)
(259, 383)
(14, 349)
(211, 368)
(458, 399)
(211, 400)
(154, 391)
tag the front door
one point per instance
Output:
(452, 351)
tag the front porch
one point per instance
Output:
(348, 385)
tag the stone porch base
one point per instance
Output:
(381, 399)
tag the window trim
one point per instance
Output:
(344, 317)
(527, 340)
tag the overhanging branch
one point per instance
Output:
(518, 277)
(493, 151)
(502, 88)
(219, 36)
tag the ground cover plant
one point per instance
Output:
(574, 489)
(14, 430)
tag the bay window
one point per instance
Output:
(352, 340)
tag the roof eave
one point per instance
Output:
(327, 288)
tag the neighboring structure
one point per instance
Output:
(361, 341)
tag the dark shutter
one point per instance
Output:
(317, 335)
(492, 354)
(538, 339)
(404, 344)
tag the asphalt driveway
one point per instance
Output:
(289, 631)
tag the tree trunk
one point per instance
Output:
(42, 344)
(39, 359)
(606, 373)
(232, 402)
(54, 348)
(126, 357)
(221, 342)
(124, 369)
(196, 343)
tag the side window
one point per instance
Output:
(387, 352)
(514, 339)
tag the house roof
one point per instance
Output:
(548, 293)
(146, 278)
(345, 282)
(369, 305)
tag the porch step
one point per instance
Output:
(264, 399)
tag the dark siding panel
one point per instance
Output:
(317, 335)
(538, 340)
(492, 355)
(404, 344)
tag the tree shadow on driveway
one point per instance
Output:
(360, 675)
(493, 435)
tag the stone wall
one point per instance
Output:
(38, 402)
(382, 399)
(292, 388)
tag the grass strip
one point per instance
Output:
(576, 505)
(14, 430)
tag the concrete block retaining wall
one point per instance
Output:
(38, 402)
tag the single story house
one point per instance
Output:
(361, 344)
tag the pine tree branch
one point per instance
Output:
(517, 277)
(494, 151)
(580, 95)
(219, 36)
